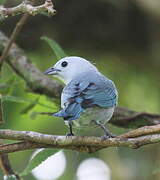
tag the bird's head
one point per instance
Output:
(69, 67)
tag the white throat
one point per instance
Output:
(68, 77)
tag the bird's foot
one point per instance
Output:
(69, 134)
(107, 136)
(70, 130)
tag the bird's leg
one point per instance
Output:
(70, 129)
(108, 134)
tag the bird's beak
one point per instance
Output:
(52, 71)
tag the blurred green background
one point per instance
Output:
(123, 39)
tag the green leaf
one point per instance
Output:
(55, 47)
(38, 159)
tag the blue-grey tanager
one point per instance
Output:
(89, 98)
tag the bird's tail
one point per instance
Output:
(72, 112)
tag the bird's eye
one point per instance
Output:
(64, 64)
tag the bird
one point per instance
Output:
(88, 94)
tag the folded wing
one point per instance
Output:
(82, 93)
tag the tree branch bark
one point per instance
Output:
(127, 118)
(39, 83)
(26, 7)
(34, 78)
(31, 140)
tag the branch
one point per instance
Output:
(127, 118)
(34, 78)
(142, 131)
(31, 140)
(25, 7)
(5, 164)
(48, 5)
(41, 84)
(14, 35)
(6, 167)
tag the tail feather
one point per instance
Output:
(72, 112)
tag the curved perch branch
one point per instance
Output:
(31, 140)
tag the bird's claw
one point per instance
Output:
(107, 136)
(69, 134)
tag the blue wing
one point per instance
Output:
(84, 93)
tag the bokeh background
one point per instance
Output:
(123, 39)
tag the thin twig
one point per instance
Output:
(14, 35)
(6, 167)
(26, 7)
(142, 131)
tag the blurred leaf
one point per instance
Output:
(55, 47)
(13, 99)
(30, 106)
(4, 87)
(22, 100)
(156, 170)
(1, 112)
(33, 115)
(10, 177)
(38, 159)
(7, 85)
(2, 1)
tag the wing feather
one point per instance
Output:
(83, 93)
